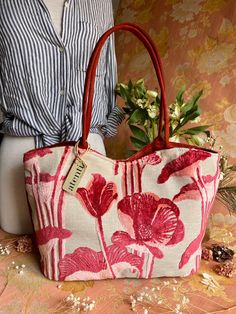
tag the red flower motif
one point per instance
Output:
(185, 164)
(91, 263)
(37, 153)
(189, 191)
(99, 195)
(49, 233)
(149, 222)
(152, 159)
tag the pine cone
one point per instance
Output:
(221, 253)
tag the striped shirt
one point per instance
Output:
(42, 73)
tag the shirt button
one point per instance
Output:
(62, 92)
(62, 49)
(66, 4)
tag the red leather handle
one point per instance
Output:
(91, 72)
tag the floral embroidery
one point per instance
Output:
(182, 162)
(149, 222)
(154, 221)
(48, 233)
(37, 153)
(86, 260)
(188, 191)
(98, 196)
(152, 159)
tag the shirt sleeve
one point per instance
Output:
(1, 97)
(115, 114)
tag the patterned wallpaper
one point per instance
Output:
(196, 40)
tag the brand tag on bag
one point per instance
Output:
(74, 176)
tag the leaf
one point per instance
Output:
(197, 140)
(137, 116)
(130, 86)
(137, 143)
(179, 96)
(139, 134)
(195, 130)
(190, 117)
(139, 92)
(123, 93)
(192, 103)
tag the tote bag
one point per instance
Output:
(143, 217)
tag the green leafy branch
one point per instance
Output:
(142, 108)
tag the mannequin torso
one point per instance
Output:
(14, 212)
(55, 8)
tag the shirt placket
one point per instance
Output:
(64, 60)
(60, 41)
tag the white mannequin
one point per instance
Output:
(14, 212)
(55, 7)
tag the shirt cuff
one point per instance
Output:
(115, 118)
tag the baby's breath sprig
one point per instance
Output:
(74, 304)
